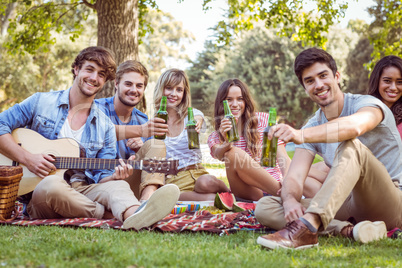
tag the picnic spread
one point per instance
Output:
(191, 218)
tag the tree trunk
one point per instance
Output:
(4, 19)
(117, 31)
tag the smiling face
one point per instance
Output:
(390, 85)
(236, 101)
(90, 78)
(130, 89)
(321, 85)
(174, 94)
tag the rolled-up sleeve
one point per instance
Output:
(20, 115)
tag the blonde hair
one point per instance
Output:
(173, 77)
(132, 66)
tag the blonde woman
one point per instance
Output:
(194, 181)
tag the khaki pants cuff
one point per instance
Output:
(154, 181)
(99, 211)
(321, 213)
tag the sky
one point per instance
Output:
(197, 21)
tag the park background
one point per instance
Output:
(253, 40)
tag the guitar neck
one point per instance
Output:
(92, 163)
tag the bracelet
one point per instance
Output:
(302, 136)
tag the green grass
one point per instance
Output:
(214, 166)
(316, 159)
(67, 247)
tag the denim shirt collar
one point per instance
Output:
(65, 100)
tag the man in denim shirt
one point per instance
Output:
(131, 81)
(73, 114)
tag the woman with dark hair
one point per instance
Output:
(247, 178)
(386, 84)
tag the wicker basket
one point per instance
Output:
(9, 183)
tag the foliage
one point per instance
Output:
(291, 17)
(340, 42)
(38, 22)
(23, 74)
(49, 69)
(385, 33)
(356, 67)
(202, 72)
(51, 246)
(164, 39)
(265, 62)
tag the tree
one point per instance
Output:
(262, 60)
(358, 59)
(120, 24)
(164, 39)
(21, 75)
(265, 62)
(202, 72)
(48, 69)
(290, 17)
(7, 12)
(385, 33)
(292, 20)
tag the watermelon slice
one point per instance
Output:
(224, 201)
(242, 206)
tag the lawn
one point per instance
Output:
(68, 247)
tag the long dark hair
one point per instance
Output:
(248, 119)
(388, 61)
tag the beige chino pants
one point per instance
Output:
(53, 197)
(358, 186)
(151, 149)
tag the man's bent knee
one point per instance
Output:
(269, 212)
(51, 185)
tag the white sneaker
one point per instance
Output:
(158, 206)
(367, 231)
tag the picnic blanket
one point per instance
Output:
(194, 221)
(190, 221)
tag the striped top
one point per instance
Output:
(275, 172)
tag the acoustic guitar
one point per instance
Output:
(67, 156)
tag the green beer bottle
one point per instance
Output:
(269, 147)
(232, 134)
(162, 113)
(193, 139)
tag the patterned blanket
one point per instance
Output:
(198, 221)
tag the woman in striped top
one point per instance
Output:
(247, 178)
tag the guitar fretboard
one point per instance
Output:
(92, 163)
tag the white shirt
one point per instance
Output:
(177, 147)
(67, 132)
